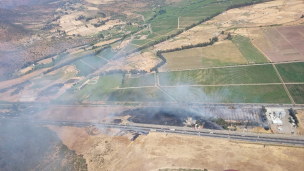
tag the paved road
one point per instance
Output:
(251, 137)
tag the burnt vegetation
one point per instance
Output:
(167, 116)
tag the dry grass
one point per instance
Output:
(198, 34)
(222, 53)
(144, 61)
(158, 150)
(300, 117)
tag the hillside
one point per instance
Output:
(15, 3)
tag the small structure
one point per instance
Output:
(277, 121)
(277, 112)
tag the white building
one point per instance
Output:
(277, 121)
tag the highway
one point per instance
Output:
(140, 128)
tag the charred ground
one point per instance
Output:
(168, 116)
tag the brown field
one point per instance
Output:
(295, 36)
(282, 43)
(198, 34)
(263, 14)
(159, 151)
(144, 61)
(300, 117)
(222, 53)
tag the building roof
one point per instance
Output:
(277, 121)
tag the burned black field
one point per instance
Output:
(168, 116)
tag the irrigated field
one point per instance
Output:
(108, 53)
(139, 80)
(216, 76)
(94, 92)
(139, 95)
(297, 92)
(248, 50)
(231, 94)
(88, 65)
(291, 72)
(224, 53)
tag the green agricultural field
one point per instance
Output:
(141, 42)
(140, 95)
(248, 50)
(291, 72)
(138, 81)
(94, 92)
(231, 94)
(88, 65)
(108, 53)
(216, 76)
(130, 47)
(297, 92)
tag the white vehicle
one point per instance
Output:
(211, 133)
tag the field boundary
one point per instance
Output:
(290, 97)
(256, 46)
(232, 66)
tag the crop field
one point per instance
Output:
(216, 76)
(108, 53)
(282, 43)
(292, 36)
(231, 94)
(129, 47)
(223, 54)
(88, 65)
(139, 95)
(94, 92)
(248, 50)
(297, 92)
(142, 80)
(291, 72)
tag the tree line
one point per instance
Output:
(293, 115)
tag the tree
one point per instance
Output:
(229, 36)
(101, 36)
(264, 109)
